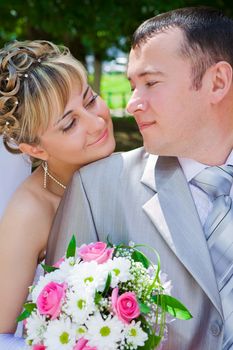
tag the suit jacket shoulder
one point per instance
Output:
(118, 165)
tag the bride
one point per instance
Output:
(49, 112)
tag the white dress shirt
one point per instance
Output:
(202, 201)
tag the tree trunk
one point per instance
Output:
(77, 49)
(97, 74)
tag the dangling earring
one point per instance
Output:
(47, 173)
(45, 167)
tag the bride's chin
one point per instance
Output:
(108, 148)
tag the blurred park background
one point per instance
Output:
(97, 32)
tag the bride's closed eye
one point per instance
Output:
(70, 125)
(91, 101)
(71, 121)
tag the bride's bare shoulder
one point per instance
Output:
(29, 213)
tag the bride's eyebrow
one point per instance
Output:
(71, 110)
(64, 115)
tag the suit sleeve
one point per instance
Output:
(73, 217)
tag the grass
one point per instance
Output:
(115, 89)
(115, 82)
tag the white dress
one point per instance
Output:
(13, 171)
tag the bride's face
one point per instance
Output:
(82, 134)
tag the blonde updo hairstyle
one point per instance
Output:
(35, 77)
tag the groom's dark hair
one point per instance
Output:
(208, 36)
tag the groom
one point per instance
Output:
(180, 70)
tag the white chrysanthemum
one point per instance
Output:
(120, 269)
(67, 266)
(80, 331)
(36, 326)
(54, 276)
(104, 334)
(89, 274)
(79, 304)
(135, 335)
(60, 335)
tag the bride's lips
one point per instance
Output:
(101, 138)
(145, 125)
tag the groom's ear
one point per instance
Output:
(35, 151)
(221, 81)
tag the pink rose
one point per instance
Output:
(125, 306)
(38, 347)
(58, 263)
(82, 345)
(95, 251)
(50, 299)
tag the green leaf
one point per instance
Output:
(25, 314)
(145, 309)
(172, 306)
(109, 243)
(107, 284)
(117, 247)
(140, 257)
(48, 268)
(71, 248)
(30, 307)
(152, 341)
(97, 298)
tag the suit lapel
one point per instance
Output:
(174, 214)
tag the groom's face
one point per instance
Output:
(168, 110)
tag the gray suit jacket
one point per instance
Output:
(119, 197)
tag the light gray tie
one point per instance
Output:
(217, 182)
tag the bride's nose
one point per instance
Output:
(94, 123)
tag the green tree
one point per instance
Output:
(86, 26)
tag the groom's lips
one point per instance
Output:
(145, 125)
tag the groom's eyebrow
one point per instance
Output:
(151, 72)
(71, 110)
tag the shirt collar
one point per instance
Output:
(191, 167)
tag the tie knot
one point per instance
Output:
(215, 180)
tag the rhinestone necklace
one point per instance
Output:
(47, 173)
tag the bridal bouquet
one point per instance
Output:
(100, 297)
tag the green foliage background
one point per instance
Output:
(86, 26)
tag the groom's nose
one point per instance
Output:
(135, 104)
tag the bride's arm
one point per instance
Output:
(22, 238)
